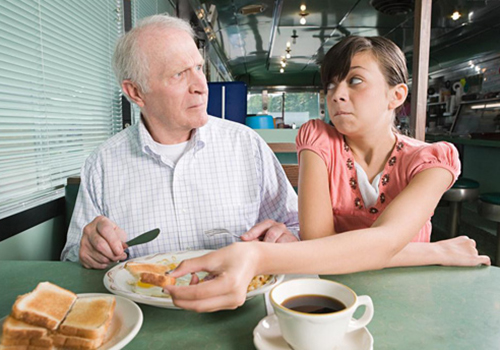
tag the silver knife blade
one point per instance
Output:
(144, 238)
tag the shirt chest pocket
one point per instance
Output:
(237, 218)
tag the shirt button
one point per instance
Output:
(373, 210)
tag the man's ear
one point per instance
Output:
(398, 95)
(133, 92)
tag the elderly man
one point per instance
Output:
(178, 169)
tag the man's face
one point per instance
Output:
(176, 102)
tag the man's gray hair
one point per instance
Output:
(129, 62)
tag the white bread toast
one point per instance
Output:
(44, 341)
(16, 329)
(89, 317)
(69, 342)
(25, 347)
(157, 279)
(136, 268)
(46, 306)
(82, 323)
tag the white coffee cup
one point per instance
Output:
(309, 331)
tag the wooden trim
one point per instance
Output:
(292, 173)
(74, 180)
(421, 43)
(283, 147)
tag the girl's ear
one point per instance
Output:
(133, 92)
(398, 95)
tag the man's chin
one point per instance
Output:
(201, 120)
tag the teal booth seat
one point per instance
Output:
(71, 192)
(463, 189)
(489, 208)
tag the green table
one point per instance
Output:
(415, 308)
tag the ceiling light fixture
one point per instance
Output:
(252, 9)
(303, 14)
(456, 15)
(294, 37)
(282, 70)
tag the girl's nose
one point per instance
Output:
(339, 92)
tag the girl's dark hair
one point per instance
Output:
(391, 59)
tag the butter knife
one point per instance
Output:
(144, 238)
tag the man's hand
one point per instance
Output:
(103, 242)
(269, 231)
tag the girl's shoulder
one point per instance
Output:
(317, 132)
(418, 155)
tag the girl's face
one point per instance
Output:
(363, 102)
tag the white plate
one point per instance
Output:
(267, 336)
(117, 280)
(125, 324)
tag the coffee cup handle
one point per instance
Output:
(355, 324)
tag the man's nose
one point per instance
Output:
(198, 83)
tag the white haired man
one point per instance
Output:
(178, 169)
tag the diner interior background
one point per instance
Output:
(49, 124)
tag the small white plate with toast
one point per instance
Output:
(119, 281)
(125, 324)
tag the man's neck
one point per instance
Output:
(162, 135)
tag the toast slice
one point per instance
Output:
(69, 342)
(157, 279)
(25, 347)
(89, 318)
(44, 341)
(136, 268)
(46, 306)
(15, 329)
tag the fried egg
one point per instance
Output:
(148, 290)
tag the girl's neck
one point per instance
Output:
(372, 151)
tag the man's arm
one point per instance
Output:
(93, 240)
(278, 214)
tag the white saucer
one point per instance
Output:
(267, 336)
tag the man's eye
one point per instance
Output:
(199, 67)
(178, 75)
(355, 81)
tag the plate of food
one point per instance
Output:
(140, 279)
(55, 318)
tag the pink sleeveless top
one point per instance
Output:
(408, 158)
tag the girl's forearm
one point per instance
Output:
(353, 251)
(417, 254)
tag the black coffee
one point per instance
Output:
(313, 304)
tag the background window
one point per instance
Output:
(58, 96)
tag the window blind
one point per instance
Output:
(58, 96)
(145, 8)
(141, 9)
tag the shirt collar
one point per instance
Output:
(196, 142)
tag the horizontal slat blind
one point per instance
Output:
(58, 96)
(141, 9)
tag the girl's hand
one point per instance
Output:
(232, 268)
(461, 251)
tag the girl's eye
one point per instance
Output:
(355, 81)
(330, 86)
